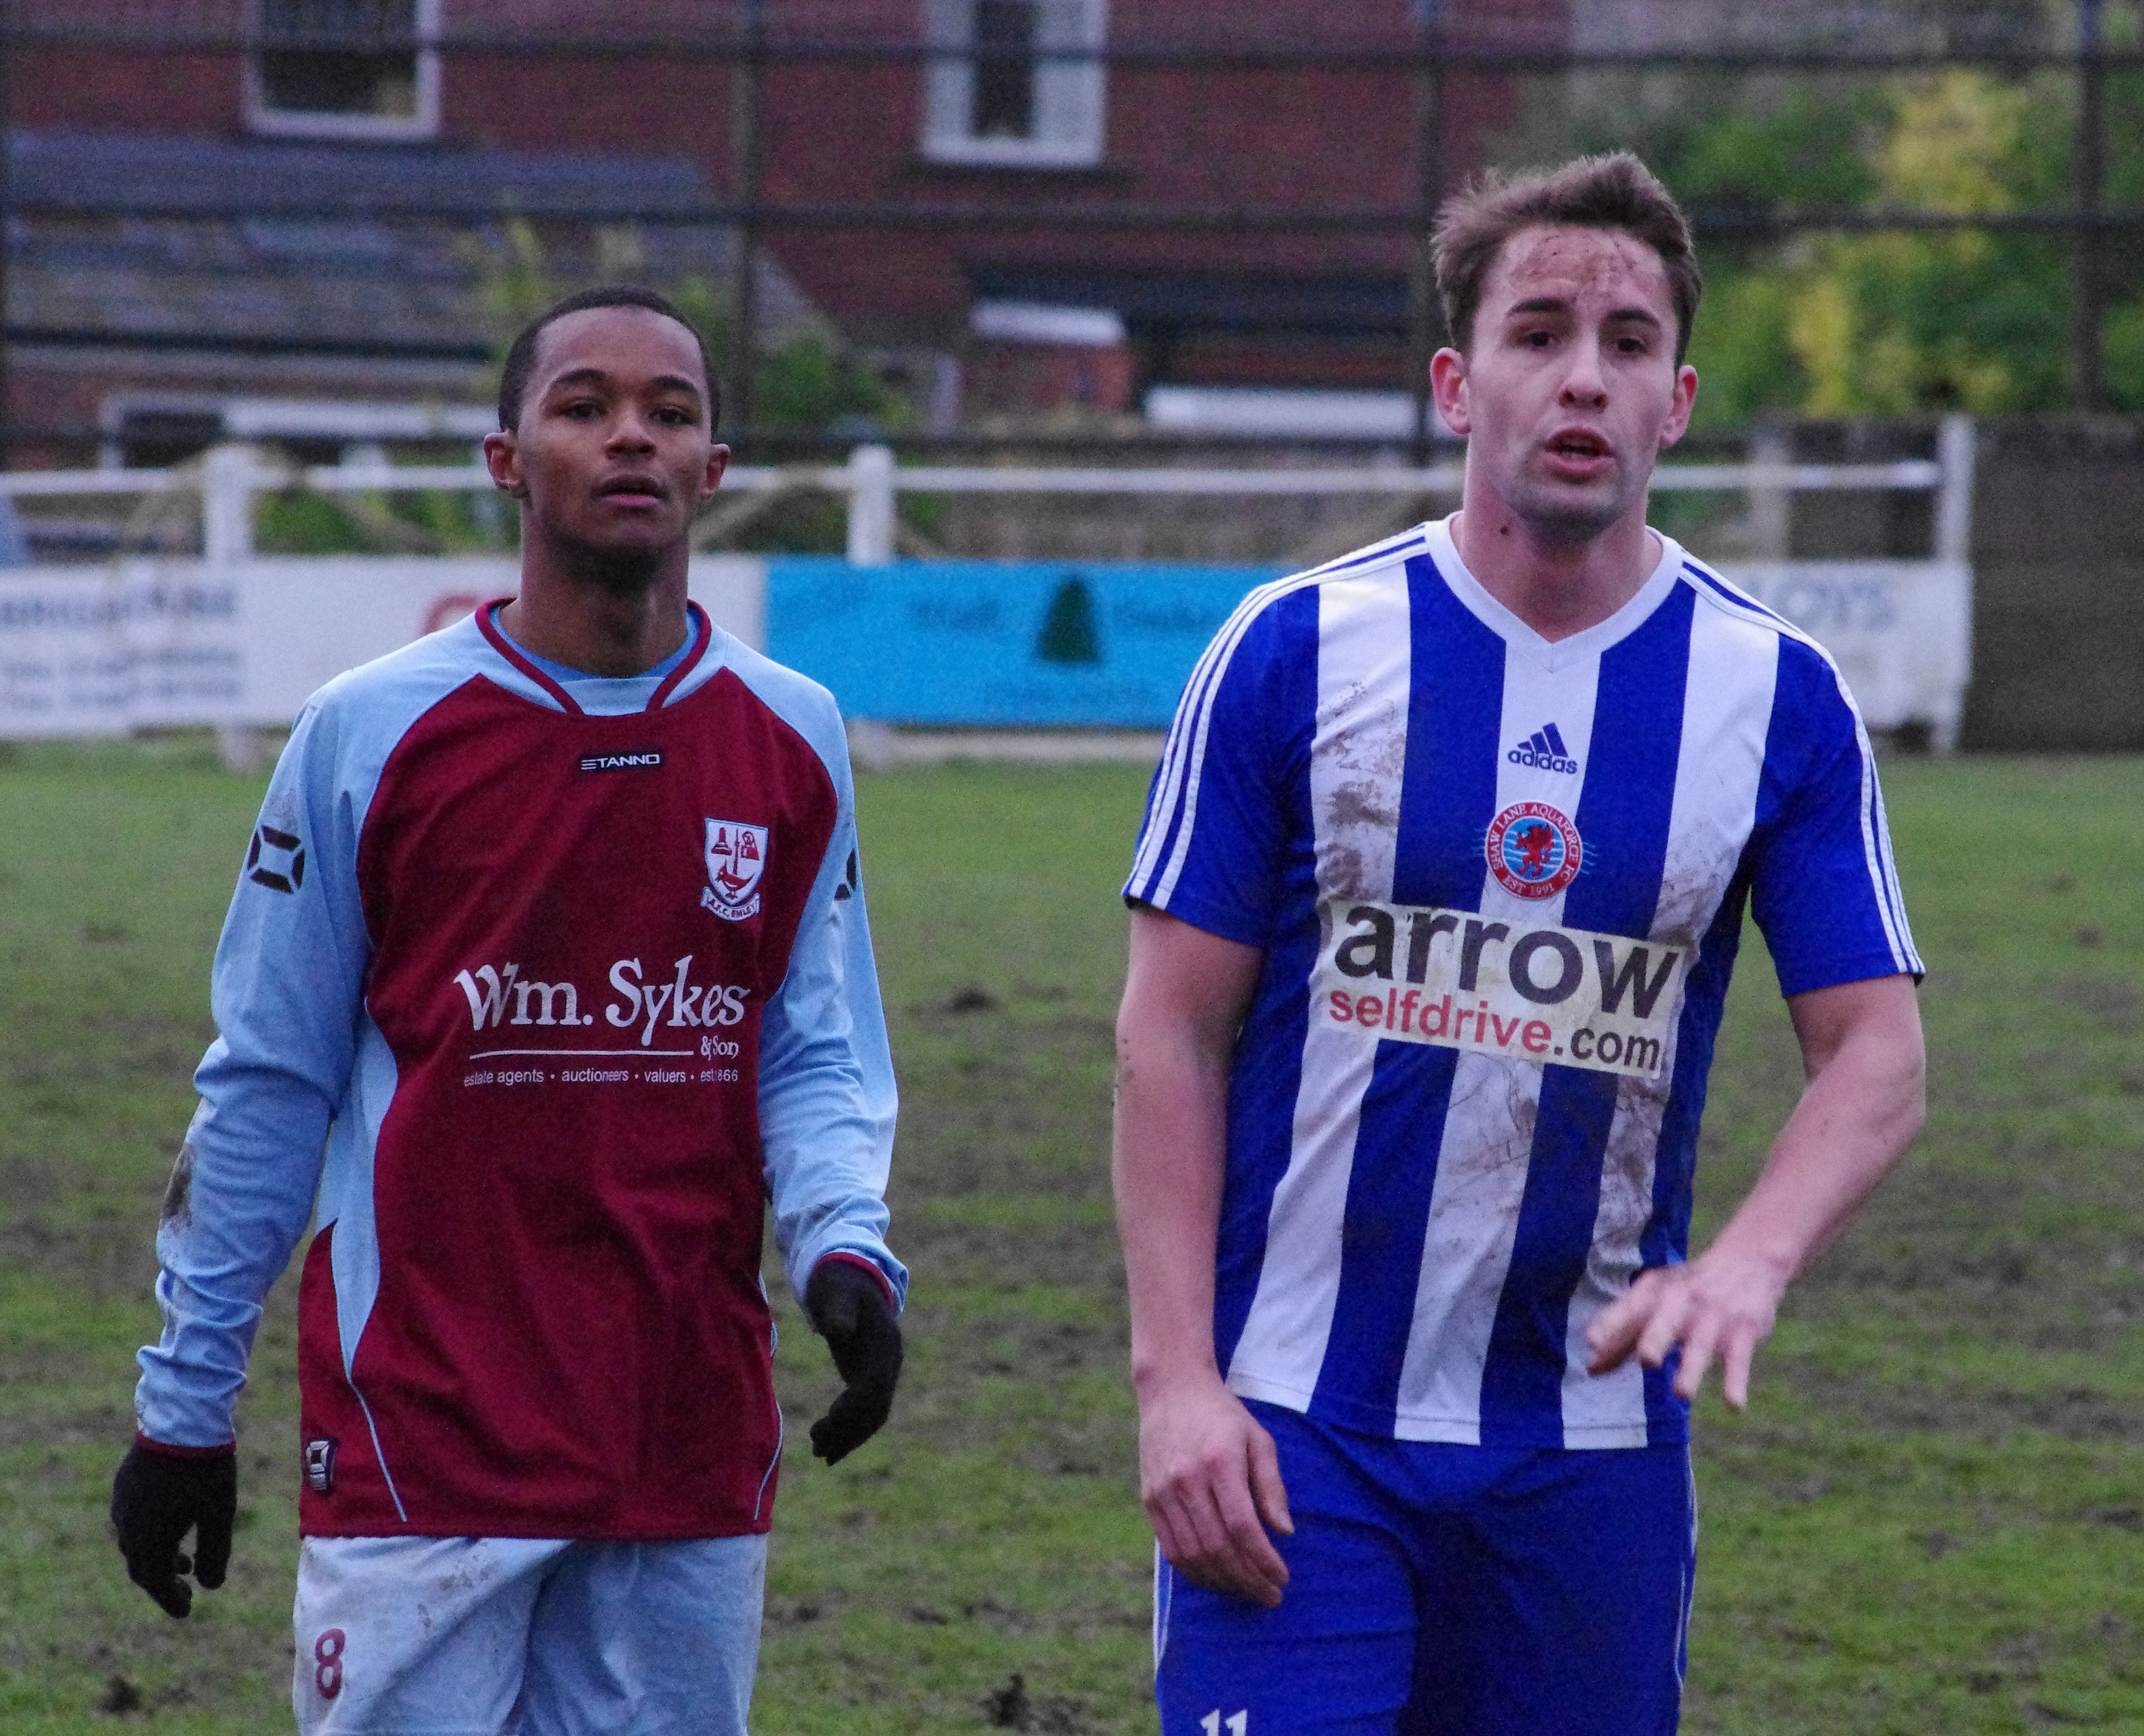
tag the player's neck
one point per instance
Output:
(1556, 588)
(608, 618)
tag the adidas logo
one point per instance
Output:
(1544, 749)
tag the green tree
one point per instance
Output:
(1810, 149)
(1886, 322)
(2125, 186)
(808, 383)
(1968, 319)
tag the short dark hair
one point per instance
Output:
(521, 354)
(1616, 191)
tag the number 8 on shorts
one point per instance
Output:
(327, 1663)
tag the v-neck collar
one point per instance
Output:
(701, 635)
(1553, 654)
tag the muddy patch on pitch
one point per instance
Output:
(2115, 1001)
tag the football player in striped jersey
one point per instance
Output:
(1433, 912)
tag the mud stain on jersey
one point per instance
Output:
(1498, 1104)
(179, 1192)
(1523, 1107)
(1364, 752)
(1626, 1181)
(1694, 877)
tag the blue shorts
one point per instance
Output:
(519, 1636)
(1442, 1591)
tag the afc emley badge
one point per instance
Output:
(736, 857)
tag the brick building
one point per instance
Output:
(1076, 199)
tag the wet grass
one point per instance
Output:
(1930, 1521)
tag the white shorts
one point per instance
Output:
(506, 1636)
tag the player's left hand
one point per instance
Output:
(1719, 1305)
(160, 1494)
(848, 1308)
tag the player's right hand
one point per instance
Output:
(1209, 1477)
(160, 1494)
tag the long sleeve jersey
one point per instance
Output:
(532, 998)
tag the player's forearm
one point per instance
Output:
(240, 1197)
(825, 1134)
(1860, 1112)
(827, 1098)
(1172, 1094)
(1185, 991)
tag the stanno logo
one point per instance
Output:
(620, 761)
(319, 1465)
(285, 869)
(735, 858)
(1544, 749)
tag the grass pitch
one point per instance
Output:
(1929, 1521)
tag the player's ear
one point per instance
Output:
(1448, 385)
(1678, 411)
(502, 457)
(718, 460)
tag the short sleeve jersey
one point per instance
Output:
(1498, 882)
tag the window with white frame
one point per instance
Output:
(344, 68)
(1015, 81)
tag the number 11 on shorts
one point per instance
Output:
(1236, 1724)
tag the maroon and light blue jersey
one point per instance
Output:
(1499, 883)
(544, 990)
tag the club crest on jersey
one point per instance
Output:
(736, 857)
(1533, 849)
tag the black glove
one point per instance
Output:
(849, 1309)
(156, 1498)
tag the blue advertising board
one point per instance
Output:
(1040, 644)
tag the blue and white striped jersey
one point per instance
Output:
(1499, 883)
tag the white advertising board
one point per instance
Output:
(141, 642)
(146, 642)
(1900, 631)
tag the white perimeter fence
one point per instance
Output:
(236, 639)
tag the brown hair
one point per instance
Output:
(1617, 191)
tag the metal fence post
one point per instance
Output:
(2087, 356)
(227, 477)
(870, 506)
(1954, 458)
(1772, 499)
